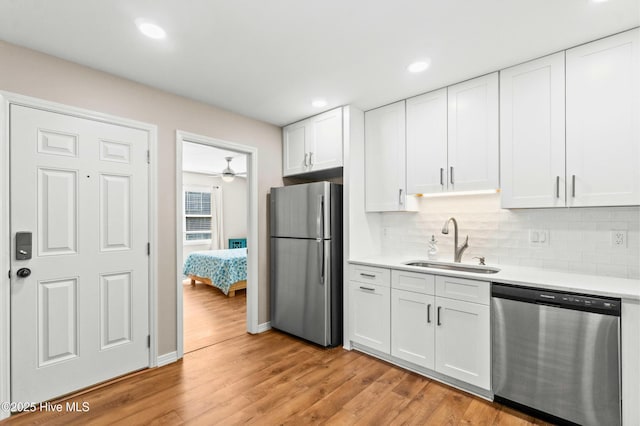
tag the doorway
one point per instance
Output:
(211, 173)
(73, 184)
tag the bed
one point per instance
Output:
(223, 269)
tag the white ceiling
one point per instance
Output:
(207, 159)
(268, 59)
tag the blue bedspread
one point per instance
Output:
(222, 267)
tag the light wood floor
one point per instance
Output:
(272, 379)
(210, 317)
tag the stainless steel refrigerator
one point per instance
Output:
(306, 261)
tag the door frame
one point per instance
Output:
(252, 227)
(7, 99)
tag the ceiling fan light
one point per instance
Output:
(228, 174)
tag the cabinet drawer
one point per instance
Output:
(463, 289)
(370, 275)
(413, 281)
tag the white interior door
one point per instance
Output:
(81, 316)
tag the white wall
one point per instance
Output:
(234, 207)
(42, 76)
(579, 238)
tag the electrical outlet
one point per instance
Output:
(539, 237)
(619, 238)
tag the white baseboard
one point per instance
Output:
(264, 327)
(169, 358)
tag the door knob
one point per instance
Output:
(23, 272)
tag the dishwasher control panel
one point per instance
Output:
(580, 302)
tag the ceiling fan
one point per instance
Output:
(228, 174)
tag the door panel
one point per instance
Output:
(58, 321)
(57, 211)
(300, 296)
(81, 317)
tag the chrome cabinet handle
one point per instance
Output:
(441, 176)
(557, 186)
(368, 288)
(429, 313)
(311, 159)
(367, 275)
(400, 196)
(438, 316)
(573, 186)
(305, 159)
(451, 174)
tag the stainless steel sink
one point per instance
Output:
(454, 267)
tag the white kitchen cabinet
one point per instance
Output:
(463, 341)
(448, 332)
(532, 133)
(385, 170)
(294, 148)
(603, 122)
(473, 147)
(413, 327)
(313, 144)
(370, 315)
(427, 170)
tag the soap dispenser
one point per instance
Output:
(432, 253)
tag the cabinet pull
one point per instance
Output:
(557, 186)
(573, 186)
(305, 159)
(368, 288)
(451, 174)
(441, 176)
(362, 274)
(400, 196)
(438, 316)
(311, 159)
(429, 313)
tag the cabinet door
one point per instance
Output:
(427, 143)
(325, 145)
(463, 341)
(370, 316)
(473, 134)
(385, 180)
(294, 154)
(603, 124)
(532, 133)
(412, 327)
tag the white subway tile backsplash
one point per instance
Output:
(579, 238)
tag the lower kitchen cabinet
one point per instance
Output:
(412, 327)
(463, 341)
(370, 316)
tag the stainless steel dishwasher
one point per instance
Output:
(557, 355)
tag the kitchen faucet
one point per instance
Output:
(457, 251)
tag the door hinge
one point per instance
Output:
(148, 157)
(9, 273)
(148, 340)
(148, 249)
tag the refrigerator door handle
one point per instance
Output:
(320, 217)
(320, 242)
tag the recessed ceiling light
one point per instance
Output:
(151, 30)
(319, 103)
(599, 1)
(418, 66)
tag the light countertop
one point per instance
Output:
(525, 276)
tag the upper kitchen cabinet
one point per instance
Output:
(473, 147)
(532, 143)
(313, 144)
(385, 149)
(427, 143)
(603, 122)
